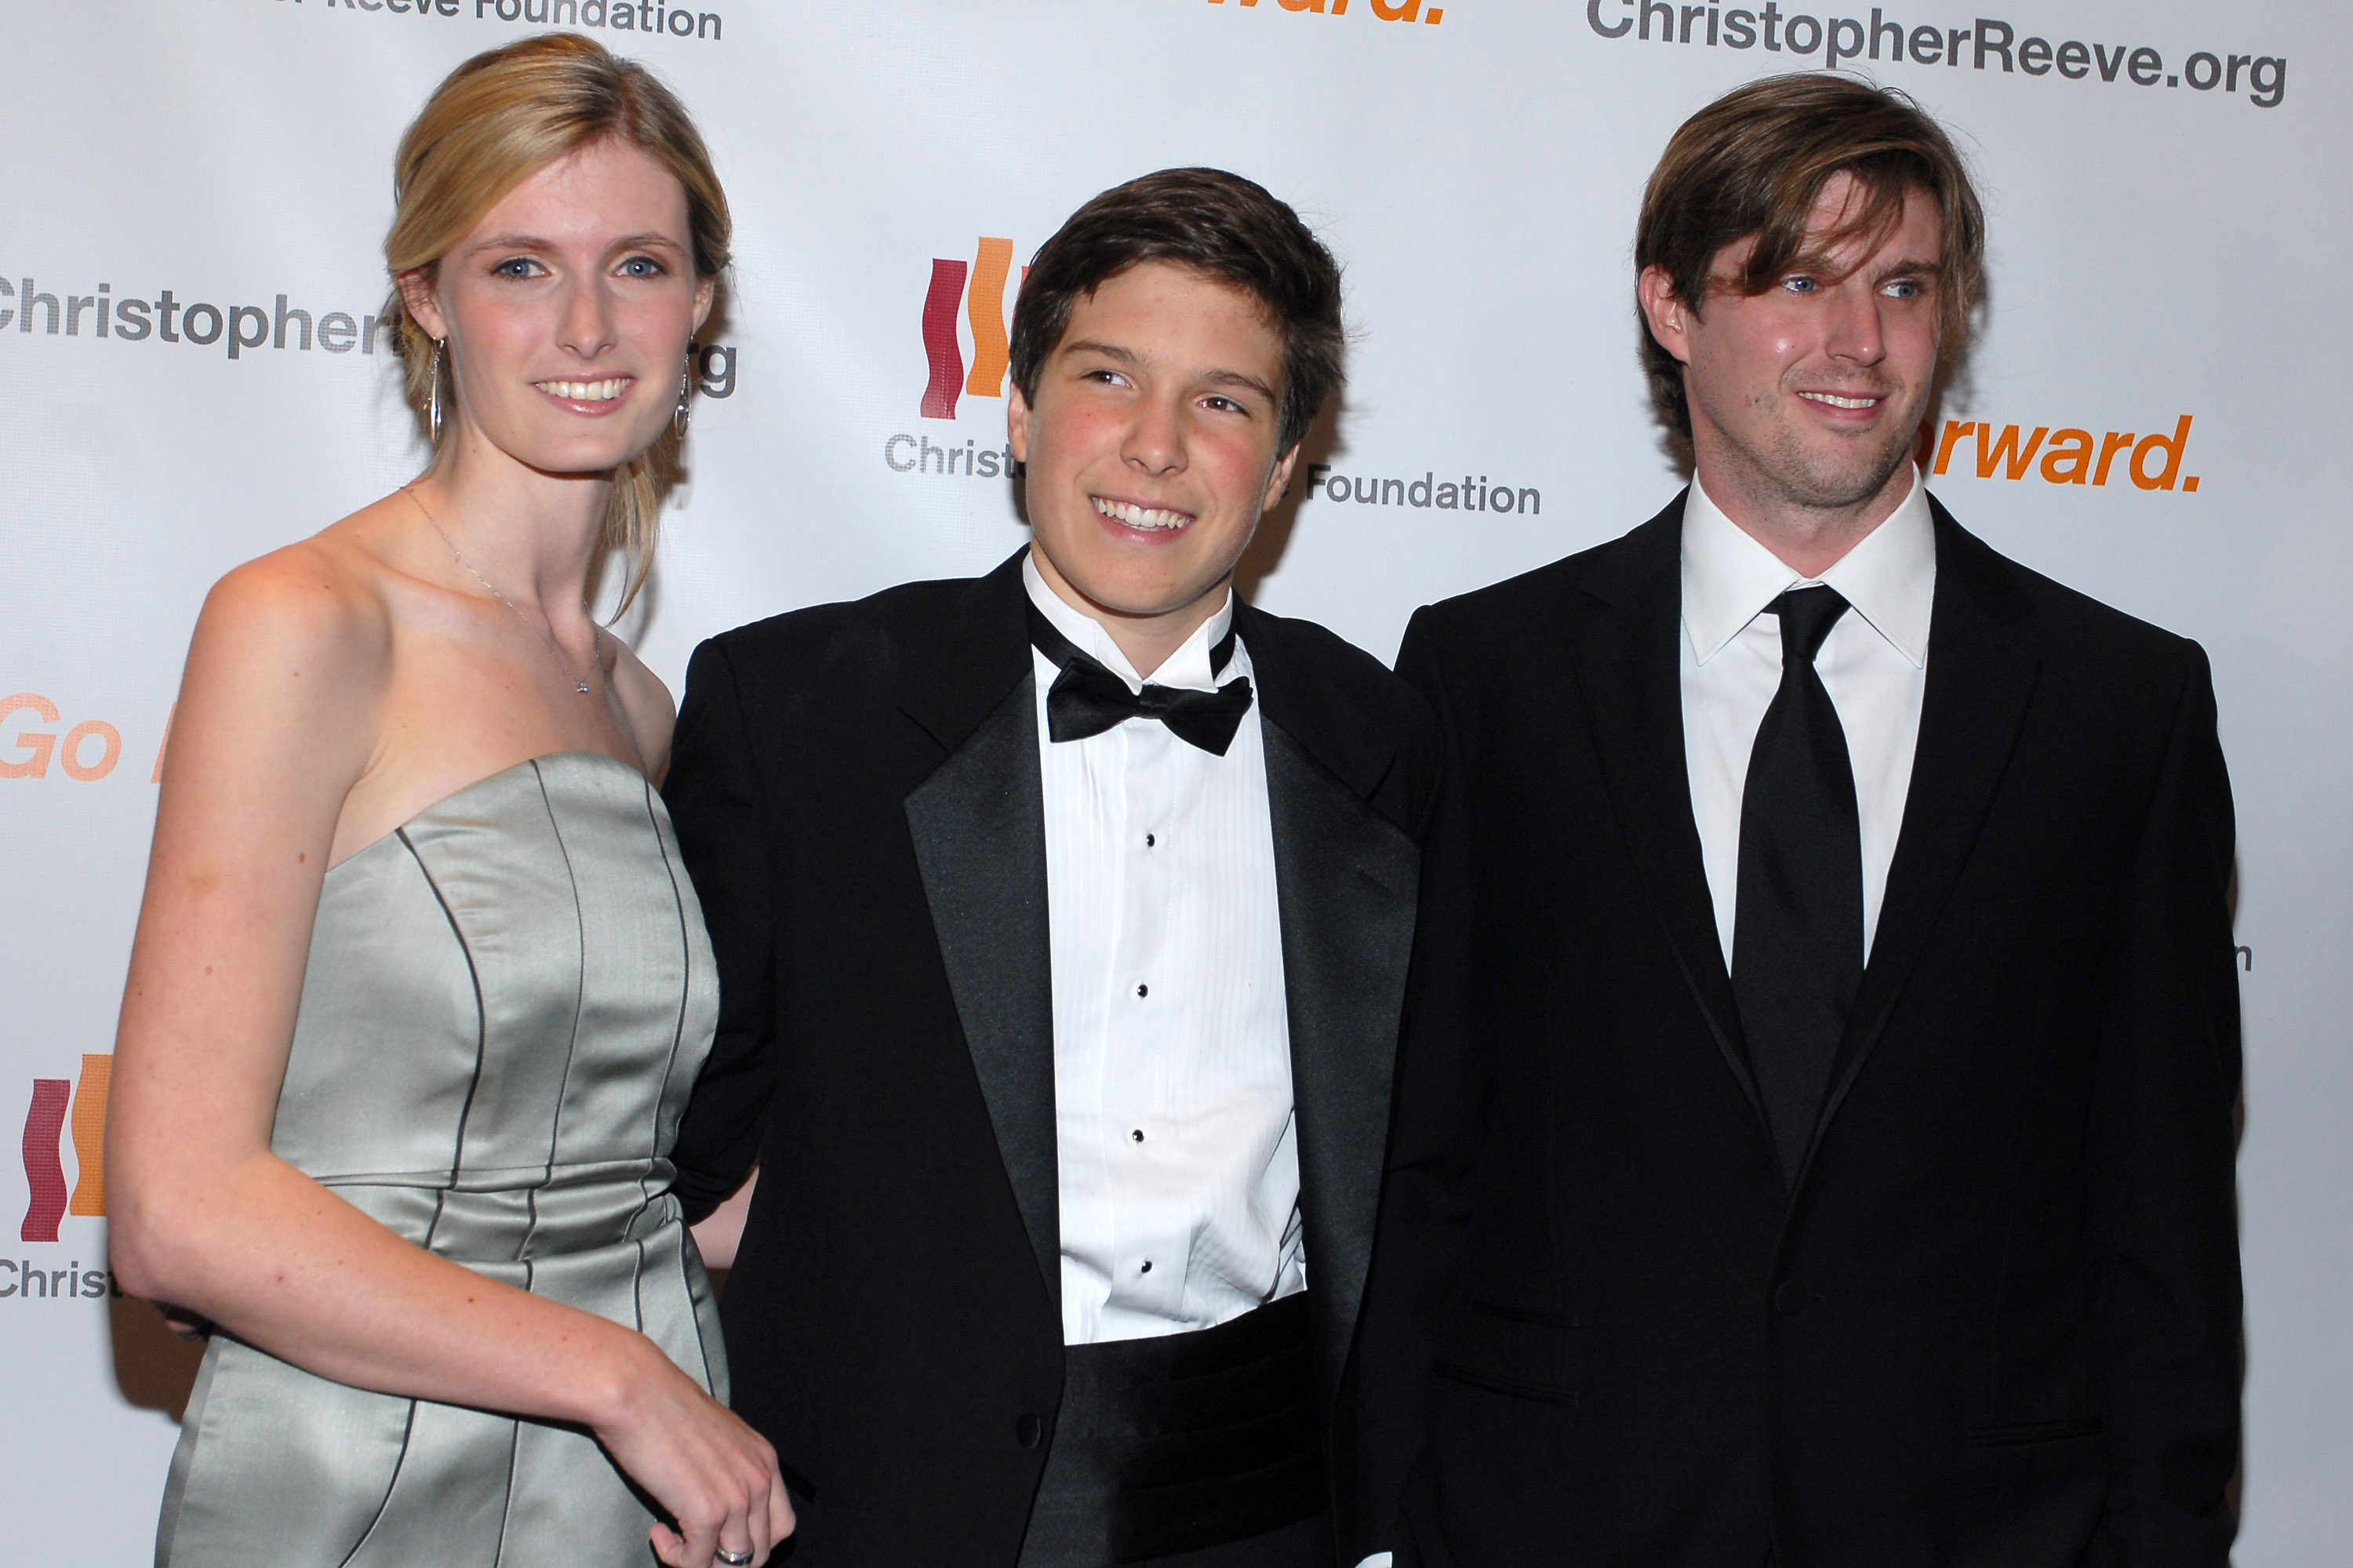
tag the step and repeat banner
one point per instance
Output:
(193, 371)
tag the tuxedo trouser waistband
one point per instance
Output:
(1169, 1445)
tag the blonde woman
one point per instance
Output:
(418, 988)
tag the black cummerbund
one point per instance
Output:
(1177, 1443)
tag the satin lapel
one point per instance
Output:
(1347, 879)
(1628, 673)
(979, 828)
(1983, 664)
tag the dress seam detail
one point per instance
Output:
(481, 1021)
(407, 1431)
(579, 1006)
(685, 991)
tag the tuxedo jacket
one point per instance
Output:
(1995, 1322)
(857, 791)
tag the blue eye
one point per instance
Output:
(1905, 289)
(516, 267)
(642, 267)
(1801, 285)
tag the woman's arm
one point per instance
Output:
(276, 724)
(274, 727)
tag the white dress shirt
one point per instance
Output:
(1176, 1143)
(1875, 665)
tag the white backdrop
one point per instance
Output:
(2171, 232)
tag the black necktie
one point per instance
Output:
(1087, 699)
(1797, 932)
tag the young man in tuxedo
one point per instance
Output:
(1063, 918)
(1815, 1137)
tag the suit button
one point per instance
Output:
(1790, 1299)
(1028, 1430)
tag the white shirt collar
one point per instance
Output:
(1890, 577)
(1188, 669)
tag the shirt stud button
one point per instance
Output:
(1137, 1135)
(1143, 990)
(1149, 839)
(1147, 1267)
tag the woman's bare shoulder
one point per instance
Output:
(312, 622)
(280, 706)
(325, 597)
(646, 705)
(330, 582)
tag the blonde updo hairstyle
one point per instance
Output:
(496, 120)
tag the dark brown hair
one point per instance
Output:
(1219, 225)
(1755, 161)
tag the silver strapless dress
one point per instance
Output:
(506, 1004)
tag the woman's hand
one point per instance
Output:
(716, 1477)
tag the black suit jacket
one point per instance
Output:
(1996, 1322)
(856, 787)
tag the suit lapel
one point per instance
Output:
(1348, 881)
(1982, 667)
(1628, 666)
(979, 831)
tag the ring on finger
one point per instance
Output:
(734, 1559)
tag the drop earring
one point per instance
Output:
(685, 416)
(433, 403)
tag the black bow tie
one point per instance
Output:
(1087, 699)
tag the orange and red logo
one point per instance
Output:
(981, 290)
(45, 1175)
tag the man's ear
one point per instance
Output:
(415, 287)
(1278, 483)
(1665, 311)
(1017, 423)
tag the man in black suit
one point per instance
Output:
(1063, 916)
(1814, 1138)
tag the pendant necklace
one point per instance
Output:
(595, 642)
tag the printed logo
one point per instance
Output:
(2070, 455)
(1428, 493)
(168, 319)
(1986, 42)
(1382, 10)
(981, 292)
(623, 16)
(240, 332)
(86, 753)
(45, 1175)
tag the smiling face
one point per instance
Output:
(568, 309)
(1150, 451)
(1805, 398)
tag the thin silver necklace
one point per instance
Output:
(595, 642)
